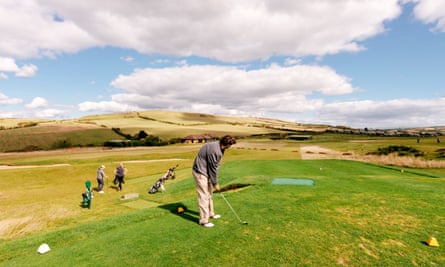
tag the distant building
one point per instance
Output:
(198, 138)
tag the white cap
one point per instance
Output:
(43, 249)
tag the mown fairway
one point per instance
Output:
(356, 214)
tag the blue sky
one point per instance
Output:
(373, 64)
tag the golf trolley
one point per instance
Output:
(170, 174)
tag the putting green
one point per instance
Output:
(292, 181)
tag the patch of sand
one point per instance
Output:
(317, 152)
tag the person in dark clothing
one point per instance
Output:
(119, 175)
(205, 173)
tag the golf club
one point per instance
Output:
(230, 206)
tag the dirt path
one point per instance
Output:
(9, 167)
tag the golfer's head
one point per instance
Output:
(227, 141)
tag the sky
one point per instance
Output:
(375, 64)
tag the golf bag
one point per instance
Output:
(170, 174)
(87, 195)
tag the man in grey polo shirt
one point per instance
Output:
(205, 172)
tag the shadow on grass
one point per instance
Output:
(234, 187)
(424, 243)
(182, 211)
(83, 205)
(115, 187)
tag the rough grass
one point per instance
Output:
(349, 147)
(60, 187)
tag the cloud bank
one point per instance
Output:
(231, 33)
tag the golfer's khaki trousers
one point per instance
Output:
(205, 201)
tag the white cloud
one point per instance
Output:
(291, 61)
(49, 113)
(27, 71)
(127, 59)
(38, 107)
(37, 112)
(37, 102)
(5, 100)
(224, 90)
(160, 61)
(181, 62)
(106, 106)
(431, 12)
(8, 65)
(219, 81)
(8, 114)
(280, 89)
(390, 113)
(19, 21)
(232, 30)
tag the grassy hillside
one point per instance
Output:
(53, 135)
(168, 124)
(95, 130)
(29, 135)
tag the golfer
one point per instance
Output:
(119, 175)
(205, 172)
(100, 179)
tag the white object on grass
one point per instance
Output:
(44, 248)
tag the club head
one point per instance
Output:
(245, 223)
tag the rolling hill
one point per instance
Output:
(167, 126)
(29, 135)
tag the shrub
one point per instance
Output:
(400, 150)
(62, 144)
(439, 153)
(119, 132)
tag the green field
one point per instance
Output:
(356, 214)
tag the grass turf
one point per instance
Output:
(356, 214)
